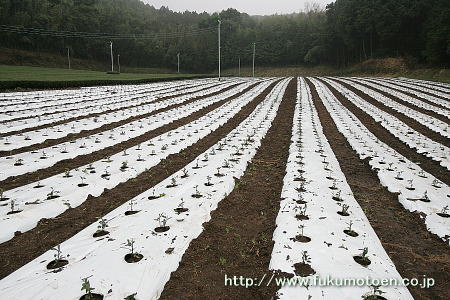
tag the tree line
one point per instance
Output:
(345, 32)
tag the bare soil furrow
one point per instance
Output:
(414, 250)
(85, 133)
(237, 240)
(94, 114)
(51, 232)
(427, 164)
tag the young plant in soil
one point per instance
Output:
(82, 184)
(226, 164)
(181, 209)
(390, 167)
(197, 193)
(124, 166)
(208, 181)
(101, 228)
(334, 186)
(376, 294)
(444, 213)
(363, 259)
(106, 174)
(218, 174)
(196, 165)
(53, 194)
(436, 183)
(304, 268)
(422, 174)
(173, 183)
(185, 173)
(67, 173)
(140, 158)
(2, 195)
(13, 210)
(399, 176)
(337, 196)
(344, 211)
(162, 221)
(301, 237)
(38, 185)
(410, 186)
(86, 286)
(301, 188)
(131, 211)
(349, 230)
(301, 212)
(153, 153)
(44, 155)
(18, 162)
(153, 196)
(133, 256)
(59, 260)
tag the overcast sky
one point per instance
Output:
(252, 7)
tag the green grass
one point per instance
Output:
(23, 73)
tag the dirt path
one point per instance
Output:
(427, 164)
(406, 103)
(51, 232)
(109, 126)
(413, 249)
(238, 239)
(102, 113)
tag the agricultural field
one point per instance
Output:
(244, 188)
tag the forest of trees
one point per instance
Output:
(346, 32)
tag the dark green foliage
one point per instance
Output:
(348, 31)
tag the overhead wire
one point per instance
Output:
(99, 35)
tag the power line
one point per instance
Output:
(100, 35)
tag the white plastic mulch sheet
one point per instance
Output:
(418, 190)
(34, 200)
(37, 136)
(34, 160)
(403, 132)
(102, 259)
(330, 251)
(416, 91)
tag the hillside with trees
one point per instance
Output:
(346, 32)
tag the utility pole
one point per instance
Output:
(254, 46)
(68, 56)
(118, 61)
(220, 22)
(178, 58)
(112, 57)
(239, 66)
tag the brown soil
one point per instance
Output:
(238, 239)
(427, 164)
(414, 95)
(98, 114)
(303, 270)
(413, 249)
(409, 105)
(85, 133)
(51, 232)
(82, 160)
(411, 122)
